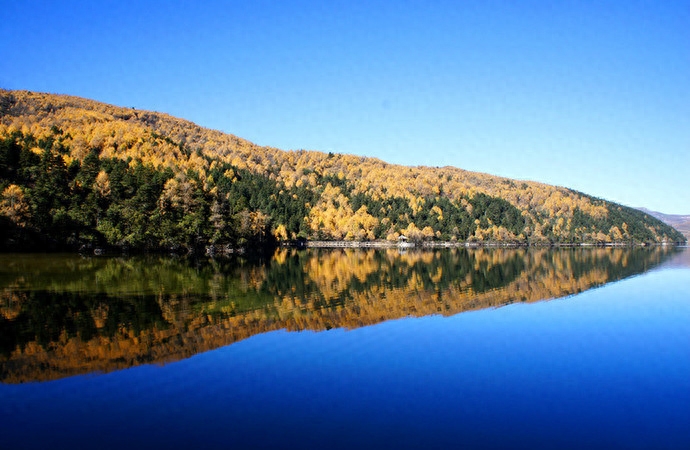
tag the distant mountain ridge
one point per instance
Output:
(76, 172)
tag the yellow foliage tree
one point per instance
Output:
(14, 205)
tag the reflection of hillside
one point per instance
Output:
(77, 326)
(680, 260)
(114, 276)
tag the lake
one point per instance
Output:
(348, 348)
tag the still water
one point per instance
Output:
(485, 348)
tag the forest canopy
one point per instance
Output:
(76, 172)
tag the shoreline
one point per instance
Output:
(228, 251)
(449, 244)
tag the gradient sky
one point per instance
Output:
(591, 95)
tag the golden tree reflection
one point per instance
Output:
(67, 315)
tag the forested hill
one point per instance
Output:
(77, 172)
(679, 222)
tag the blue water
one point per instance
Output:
(608, 368)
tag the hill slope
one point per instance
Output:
(679, 222)
(76, 171)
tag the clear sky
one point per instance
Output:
(591, 95)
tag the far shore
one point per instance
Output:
(450, 244)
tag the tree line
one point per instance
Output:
(75, 173)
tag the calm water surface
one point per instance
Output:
(487, 348)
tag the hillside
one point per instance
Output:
(679, 222)
(76, 172)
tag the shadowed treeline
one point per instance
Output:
(63, 315)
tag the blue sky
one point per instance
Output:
(593, 96)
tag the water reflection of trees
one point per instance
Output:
(61, 316)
